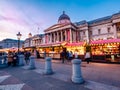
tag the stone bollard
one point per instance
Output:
(21, 60)
(76, 71)
(48, 66)
(5, 59)
(32, 62)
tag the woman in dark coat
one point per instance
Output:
(10, 58)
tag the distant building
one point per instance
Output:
(9, 43)
(34, 41)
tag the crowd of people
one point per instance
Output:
(13, 59)
(68, 56)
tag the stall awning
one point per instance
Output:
(56, 44)
(76, 44)
(52, 44)
(45, 45)
(105, 41)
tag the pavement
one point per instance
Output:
(97, 76)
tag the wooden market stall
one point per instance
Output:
(106, 50)
(78, 47)
(52, 49)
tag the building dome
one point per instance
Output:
(64, 18)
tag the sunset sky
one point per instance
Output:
(33, 16)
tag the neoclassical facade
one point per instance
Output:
(63, 31)
(99, 29)
(67, 31)
(103, 34)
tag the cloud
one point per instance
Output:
(14, 19)
(17, 16)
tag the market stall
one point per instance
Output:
(106, 50)
(77, 47)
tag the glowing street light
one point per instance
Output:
(19, 36)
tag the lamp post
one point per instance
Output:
(19, 36)
(29, 36)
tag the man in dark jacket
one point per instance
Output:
(63, 55)
(15, 59)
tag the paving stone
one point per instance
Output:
(2, 78)
(97, 76)
(11, 87)
(99, 86)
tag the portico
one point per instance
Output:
(63, 33)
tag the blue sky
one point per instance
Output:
(26, 16)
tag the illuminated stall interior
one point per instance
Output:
(76, 47)
(110, 51)
(105, 49)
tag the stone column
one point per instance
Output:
(57, 36)
(48, 66)
(75, 36)
(50, 37)
(87, 36)
(32, 62)
(65, 35)
(115, 31)
(21, 60)
(70, 36)
(61, 36)
(76, 71)
(54, 37)
(79, 36)
(45, 38)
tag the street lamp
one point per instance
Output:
(29, 36)
(19, 36)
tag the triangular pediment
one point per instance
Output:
(58, 26)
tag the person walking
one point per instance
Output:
(70, 55)
(76, 54)
(63, 55)
(10, 58)
(87, 57)
(15, 59)
(27, 57)
(44, 54)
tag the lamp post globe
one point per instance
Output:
(19, 36)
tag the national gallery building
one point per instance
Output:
(102, 34)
